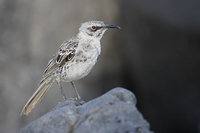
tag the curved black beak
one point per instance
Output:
(111, 26)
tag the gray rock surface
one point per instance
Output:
(113, 112)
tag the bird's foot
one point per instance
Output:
(78, 100)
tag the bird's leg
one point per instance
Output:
(62, 91)
(78, 96)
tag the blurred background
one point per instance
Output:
(156, 55)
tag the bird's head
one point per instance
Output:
(95, 29)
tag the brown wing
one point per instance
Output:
(66, 53)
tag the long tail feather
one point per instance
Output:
(37, 96)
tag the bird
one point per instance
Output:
(73, 61)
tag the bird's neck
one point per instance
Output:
(92, 41)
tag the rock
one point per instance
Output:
(113, 112)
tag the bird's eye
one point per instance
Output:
(94, 28)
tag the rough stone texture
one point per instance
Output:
(114, 112)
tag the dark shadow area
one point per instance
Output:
(163, 52)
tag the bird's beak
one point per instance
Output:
(111, 26)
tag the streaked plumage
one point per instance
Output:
(73, 61)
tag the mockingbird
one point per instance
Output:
(73, 61)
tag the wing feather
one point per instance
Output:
(65, 54)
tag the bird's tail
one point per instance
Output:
(37, 96)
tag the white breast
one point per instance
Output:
(82, 63)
